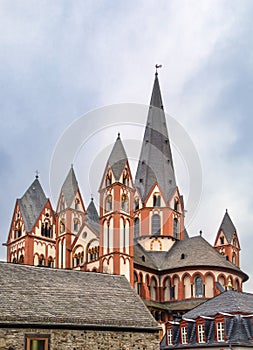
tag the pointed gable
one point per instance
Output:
(118, 158)
(70, 187)
(228, 228)
(31, 204)
(92, 217)
(155, 162)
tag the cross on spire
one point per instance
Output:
(156, 67)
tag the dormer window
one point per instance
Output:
(156, 200)
(220, 331)
(184, 335)
(170, 336)
(108, 180)
(201, 333)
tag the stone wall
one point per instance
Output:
(82, 339)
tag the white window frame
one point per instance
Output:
(220, 331)
(184, 335)
(170, 336)
(201, 333)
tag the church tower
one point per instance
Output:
(70, 219)
(32, 233)
(160, 210)
(116, 215)
(227, 242)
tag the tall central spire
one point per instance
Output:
(155, 162)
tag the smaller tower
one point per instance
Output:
(227, 242)
(116, 215)
(70, 219)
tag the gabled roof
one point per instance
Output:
(92, 217)
(43, 296)
(226, 302)
(70, 187)
(155, 162)
(118, 158)
(191, 252)
(31, 204)
(228, 227)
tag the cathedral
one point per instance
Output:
(138, 230)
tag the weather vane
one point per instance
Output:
(37, 174)
(156, 67)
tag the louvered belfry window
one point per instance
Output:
(156, 224)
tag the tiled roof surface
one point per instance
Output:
(117, 158)
(70, 187)
(194, 251)
(31, 204)
(229, 301)
(228, 227)
(37, 295)
(155, 162)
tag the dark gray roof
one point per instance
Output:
(227, 302)
(45, 296)
(70, 187)
(192, 252)
(117, 158)
(92, 217)
(31, 204)
(155, 162)
(228, 227)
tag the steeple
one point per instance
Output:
(70, 187)
(228, 227)
(118, 158)
(155, 162)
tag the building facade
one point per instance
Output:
(138, 230)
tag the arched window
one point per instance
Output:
(108, 203)
(234, 258)
(176, 205)
(21, 259)
(136, 227)
(77, 204)
(153, 289)
(124, 202)
(108, 180)
(156, 200)
(76, 225)
(125, 178)
(175, 227)
(46, 229)
(198, 287)
(136, 204)
(62, 226)
(167, 290)
(41, 260)
(136, 284)
(50, 262)
(221, 240)
(156, 224)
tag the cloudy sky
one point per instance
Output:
(63, 59)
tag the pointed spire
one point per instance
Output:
(228, 227)
(118, 158)
(155, 162)
(92, 217)
(32, 203)
(70, 187)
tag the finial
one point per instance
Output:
(118, 135)
(91, 197)
(156, 67)
(72, 165)
(36, 174)
(226, 210)
(200, 233)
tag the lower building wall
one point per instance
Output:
(81, 339)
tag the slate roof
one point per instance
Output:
(117, 158)
(228, 227)
(44, 296)
(92, 217)
(155, 162)
(229, 302)
(196, 252)
(31, 204)
(70, 187)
